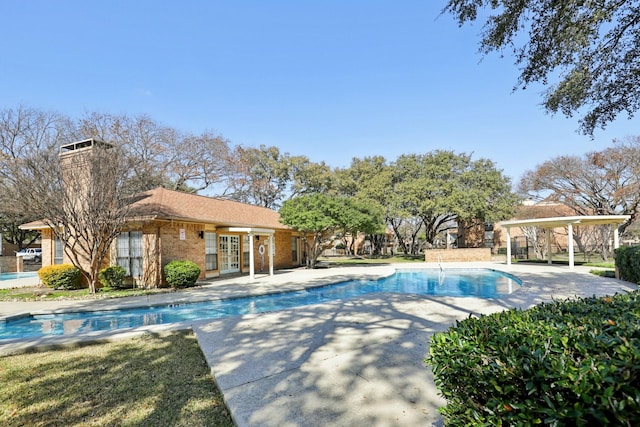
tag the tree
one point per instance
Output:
(262, 176)
(23, 132)
(312, 214)
(354, 217)
(603, 182)
(163, 156)
(369, 181)
(592, 47)
(83, 197)
(266, 177)
(322, 216)
(13, 234)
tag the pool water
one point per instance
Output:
(483, 283)
(13, 276)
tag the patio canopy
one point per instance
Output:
(564, 221)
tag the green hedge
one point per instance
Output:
(113, 277)
(181, 274)
(574, 363)
(60, 276)
(628, 263)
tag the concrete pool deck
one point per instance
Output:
(352, 362)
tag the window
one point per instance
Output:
(58, 251)
(245, 251)
(211, 251)
(129, 252)
(294, 249)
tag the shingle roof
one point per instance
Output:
(161, 203)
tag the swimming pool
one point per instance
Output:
(483, 283)
(13, 276)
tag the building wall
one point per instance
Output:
(164, 241)
(46, 237)
(458, 255)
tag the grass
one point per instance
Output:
(148, 380)
(42, 293)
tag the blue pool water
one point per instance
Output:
(483, 283)
(13, 276)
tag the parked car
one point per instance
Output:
(30, 254)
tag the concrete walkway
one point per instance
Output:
(357, 362)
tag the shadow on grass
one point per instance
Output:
(148, 380)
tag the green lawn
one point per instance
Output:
(150, 380)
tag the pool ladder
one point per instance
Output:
(441, 272)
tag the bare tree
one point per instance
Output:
(23, 132)
(81, 195)
(162, 156)
(604, 182)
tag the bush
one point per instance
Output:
(628, 263)
(562, 363)
(181, 274)
(60, 276)
(113, 277)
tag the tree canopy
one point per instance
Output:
(322, 216)
(605, 182)
(587, 52)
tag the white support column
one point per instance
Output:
(616, 237)
(271, 248)
(549, 253)
(252, 269)
(508, 246)
(570, 235)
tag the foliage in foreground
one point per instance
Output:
(181, 274)
(149, 380)
(628, 263)
(562, 363)
(60, 276)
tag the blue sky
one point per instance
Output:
(331, 80)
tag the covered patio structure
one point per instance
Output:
(564, 221)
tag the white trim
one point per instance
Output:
(563, 221)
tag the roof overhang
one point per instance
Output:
(563, 221)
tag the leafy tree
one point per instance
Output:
(13, 234)
(354, 217)
(592, 49)
(262, 177)
(322, 216)
(266, 177)
(312, 214)
(369, 181)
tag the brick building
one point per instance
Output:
(220, 236)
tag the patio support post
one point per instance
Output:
(252, 269)
(549, 253)
(271, 249)
(570, 236)
(508, 245)
(616, 237)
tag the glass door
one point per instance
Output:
(229, 254)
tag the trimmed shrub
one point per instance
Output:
(60, 276)
(181, 274)
(113, 277)
(628, 263)
(563, 363)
